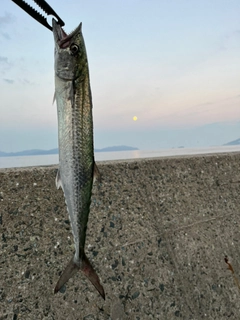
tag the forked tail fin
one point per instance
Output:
(69, 271)
(86, 268)
(91, 274)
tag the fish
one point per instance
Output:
(77, 167)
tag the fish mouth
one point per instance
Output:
(61, 37)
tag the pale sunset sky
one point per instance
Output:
(175, 64)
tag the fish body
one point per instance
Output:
(75, 135)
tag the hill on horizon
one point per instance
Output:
(233, 143)
(38, 152)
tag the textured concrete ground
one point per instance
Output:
(158, 234)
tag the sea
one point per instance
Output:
(46, 160)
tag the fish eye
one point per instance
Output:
(74, 48)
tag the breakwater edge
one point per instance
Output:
(158, 235)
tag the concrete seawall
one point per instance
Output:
(159, 231)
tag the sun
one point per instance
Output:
(135, 118)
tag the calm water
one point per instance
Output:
(26, 161)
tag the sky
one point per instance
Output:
(173, 64)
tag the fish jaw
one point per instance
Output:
(61, 37)
(69, 52)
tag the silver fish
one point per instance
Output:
(75, 134)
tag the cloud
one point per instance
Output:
(230, 40)
(4, 60)
(4, 64)
(10, 81)
(6, 19)
(235, 33)
(26, 82)
(5, 35)
(21, 81)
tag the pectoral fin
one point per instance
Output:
(54, 97)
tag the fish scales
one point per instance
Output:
(75, 138)
(76, 155)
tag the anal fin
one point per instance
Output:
(96, 173)
(58, 180)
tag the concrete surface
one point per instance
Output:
(158, 234)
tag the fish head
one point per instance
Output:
(70, 52)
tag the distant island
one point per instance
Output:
(233, 143)
(34, 152)
(116, 148)
(39, 152)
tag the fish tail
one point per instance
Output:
(70, 270)
(91, 274)
(86, 267)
